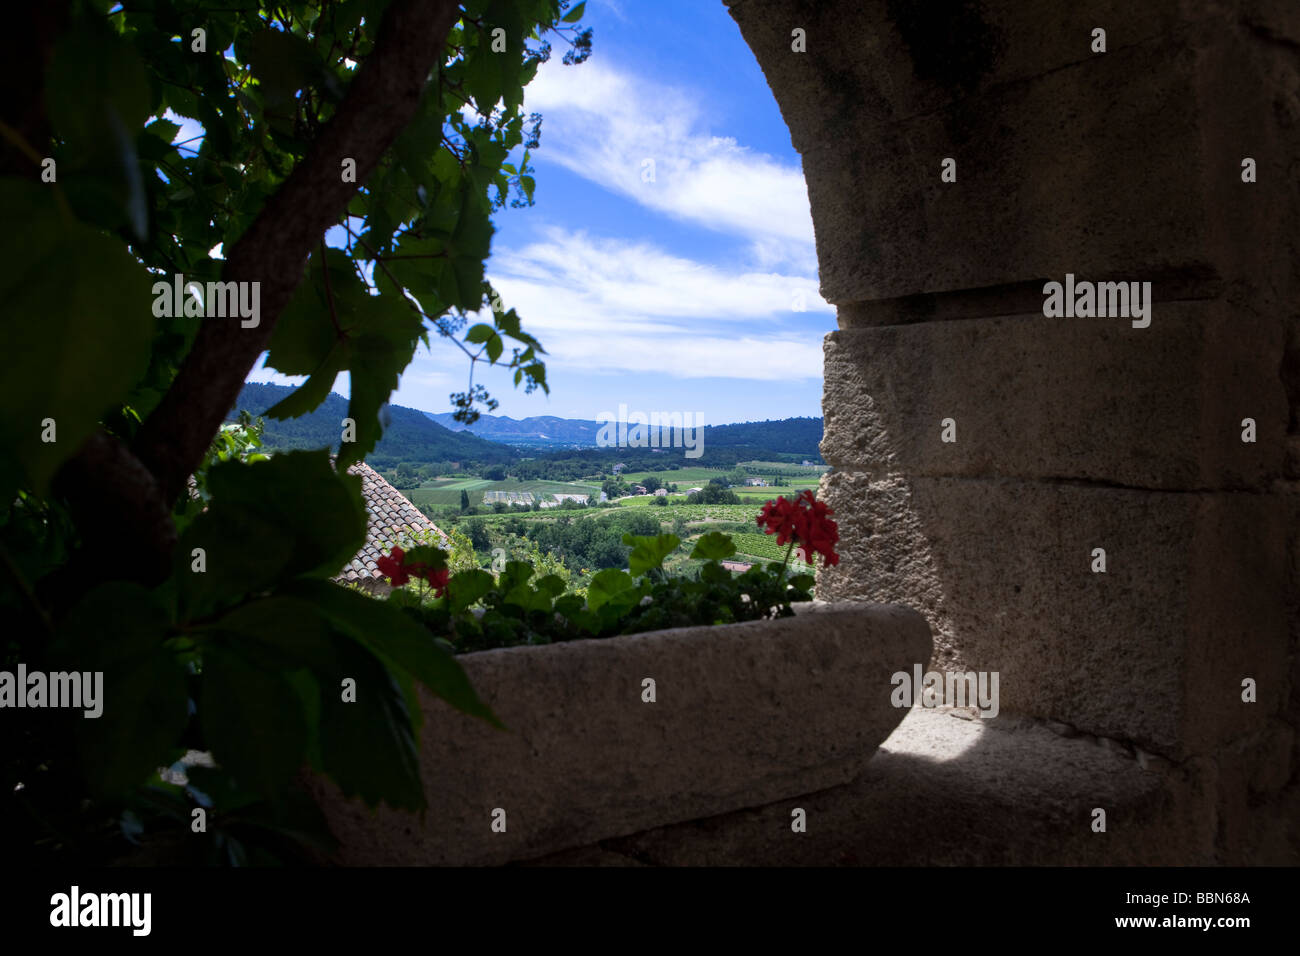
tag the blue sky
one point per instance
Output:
(695, 292)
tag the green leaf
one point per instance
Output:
(119, 630)
(478, 334)
(283, 64)
(612, 586)
(648, 553)
(91, 76)
(714, 546)
(268, 522)
(374, 340)
(308, 396)
(78, 320)
(241, 552)
(574, 15)
(304, 335)
(715, 573)
(803, 582)
(368, 745)
(282, 632)
(529, 599)
(470, 244)
(253, 722)
(466, 588)
(398, 641)
(551, 584)
(514, 574)
(165, 130)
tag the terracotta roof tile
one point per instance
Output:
(391, 520)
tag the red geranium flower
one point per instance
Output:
(806, 521)
(400, 569)
(778, 518)
(390, 565)
(438, 581)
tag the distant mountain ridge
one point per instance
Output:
(416, 436)
(543, 430)
(789, 435)
(409, 434)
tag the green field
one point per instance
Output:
(685, 477)
(769, 492)
(448, 495)
(640, 501)
(745, 494)
(694, 514)
(763, 546)
(780, 466)
(682, 476)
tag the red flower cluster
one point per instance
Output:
(804, 519)
(399, 571)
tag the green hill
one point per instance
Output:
(409, 435)
(791, 436)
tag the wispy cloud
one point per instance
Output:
(608, 126)
(605, 304)
(627, 281)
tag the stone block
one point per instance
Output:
(1086, 398)
(1067, 161)
(745, 714)
(1069, 172)
(944, 792)
(1153, 651)
(891, 61)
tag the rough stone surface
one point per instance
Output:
(959, 793)
(1136, 407)
(745, 714)
(1072, 434)
(1066, 160)
(891, 61)
(1152, 651)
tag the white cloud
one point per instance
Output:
(614, 305)
(603, 125)
(573, 275)
(679, 353)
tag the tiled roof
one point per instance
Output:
(390, 520)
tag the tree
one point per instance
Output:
(714, 493)
(652, 484)
(478, 534)
(464, 500)
(395, 124)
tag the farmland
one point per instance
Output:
(445, 493)
(800, 475)
(762, 546)
(692, 514)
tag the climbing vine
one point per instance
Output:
(333, 213)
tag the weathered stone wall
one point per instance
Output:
(1071, 433)
(731, 716)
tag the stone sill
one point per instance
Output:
(955, 792)
(745, 714)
